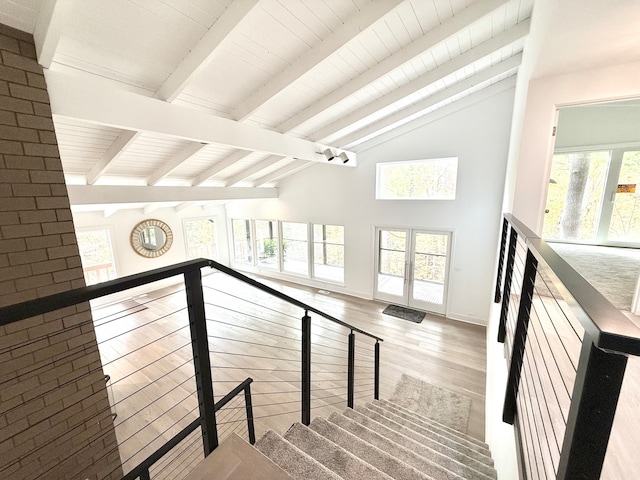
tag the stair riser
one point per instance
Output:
(429, 443)
(443, 440)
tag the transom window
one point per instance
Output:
(431, 179)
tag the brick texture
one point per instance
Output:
(55, 418)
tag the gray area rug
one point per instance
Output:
(612, 271)
(404, 313)
(443, 406)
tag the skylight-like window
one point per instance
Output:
(431, 179)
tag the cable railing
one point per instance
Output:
(161, 357)
(567, 348)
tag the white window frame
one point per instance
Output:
(111, 254)
(216, 256)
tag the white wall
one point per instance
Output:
(477, 135)
(120, 224)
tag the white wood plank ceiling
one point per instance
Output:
(223, 94)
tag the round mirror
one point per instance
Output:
(151, 238)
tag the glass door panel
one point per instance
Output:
(574, 198)
(429, 270)
(392, 265)
(412, 268)
(624, 226)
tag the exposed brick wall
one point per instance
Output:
(55, 419)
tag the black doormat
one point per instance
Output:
(404, 313)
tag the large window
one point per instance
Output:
(295, 245)
(96, 255)
(328, 252)
(593, 197)
(433, 179)
(200, 238)
(267, 244)
(241, 232)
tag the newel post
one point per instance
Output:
(201, 361)
(503, 244)
(520, 339)
(306, 369)
(508, 275)
(593, 407)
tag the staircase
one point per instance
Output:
(381, 440)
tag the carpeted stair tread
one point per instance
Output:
(332, 456)
(436, 425)
(291, 459)
(436, 436)
(410, 456)
(367, 452)
(444, 406)
(429, 442)
(441, 459)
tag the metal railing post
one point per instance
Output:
(201, 361)
(376, 371)
(351, 369)
(508, 275)
(520, 339)
(593, 407)
(249, 407)
(306, 369)
(503, 243)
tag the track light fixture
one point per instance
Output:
(329, 154)
(343, 157)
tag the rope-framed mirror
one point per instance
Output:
(151, 238)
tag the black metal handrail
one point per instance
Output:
(191, 270)
(286, 298)
(39, 306)
(142, 470)
(609, 336)
(608, 327)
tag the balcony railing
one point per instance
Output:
(567, 348)
(167, 352)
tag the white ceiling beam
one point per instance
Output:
(185, 205)
(116, 194)
(431, 117)
(118, 146)
(94, 102)
(52, 16)
(175, 162)
(152, 207)
(201, 54)
(501, 40)
(252, 170)
(220, 166)
(109, 212)
(283, 172)
(485, 75)
(459, 21)
(338, 39)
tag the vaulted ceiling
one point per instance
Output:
(234, 96)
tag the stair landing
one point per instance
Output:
(235, 459)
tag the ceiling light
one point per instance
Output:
(343, 157)
(329, 154)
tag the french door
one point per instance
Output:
(594, 197)
(412, 268)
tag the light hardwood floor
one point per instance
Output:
(146, 350)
